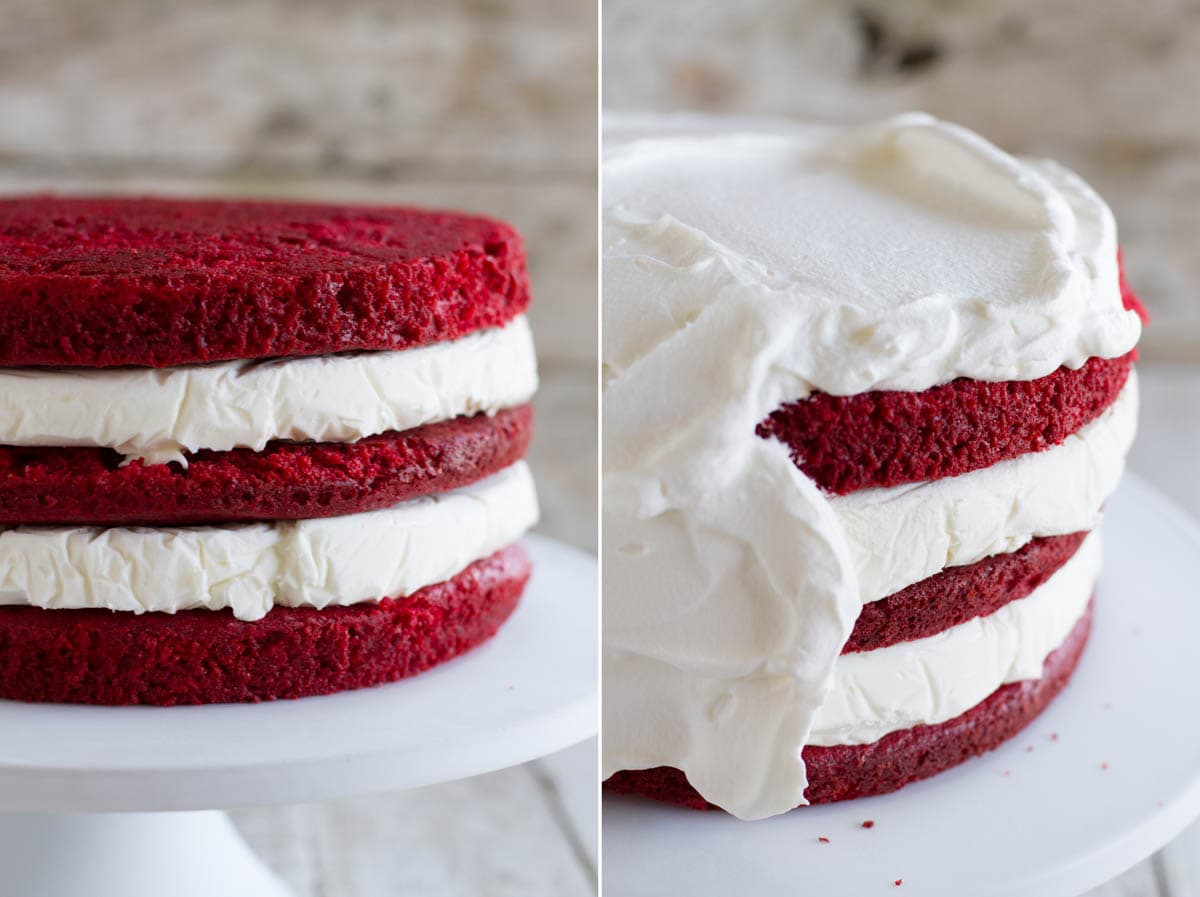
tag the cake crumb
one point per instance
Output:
(1054, 736)
(1007, 773)
(1104, 766)
(868, 823)
(898, 882)
(823, 839)
(1029, 749)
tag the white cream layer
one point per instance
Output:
(157, 415)
(254, 567)
(903, 534)
(746, 270)
(934, 679)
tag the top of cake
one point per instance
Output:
(152, 281)
(915, 247)
(746, 268)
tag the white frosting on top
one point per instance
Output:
(253, 567)
(931, 680)
(159, 414)
(903, 534)
(744, 271)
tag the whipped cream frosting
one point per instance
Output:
(158, 414)
(902, 534)
(745, 270)
(931, 680)
(251, 568)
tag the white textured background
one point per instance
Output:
(483, 105)
(1110, 88)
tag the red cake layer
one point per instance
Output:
(208, 657)
(886, 438)
(958, 594)
(848, 771)
(284, 481)
(845, 443)
(111, 281)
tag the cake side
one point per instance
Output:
(209, 657)
(845, 772)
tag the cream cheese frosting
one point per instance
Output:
(902, 534)
(158, 414)
(745, 270)
(251, 568)
(934, 679)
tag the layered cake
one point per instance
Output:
(866, 392)
(255, 450)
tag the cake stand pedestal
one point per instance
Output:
(1106, 776)
(136, 854)
(124, 801)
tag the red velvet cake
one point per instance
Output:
(284, 481)
(255, 450)
(842, 772)
(96, 281)
(959, 594)
(204, 657)
(887, 438)
(859, 544)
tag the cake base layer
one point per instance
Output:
(843, 772)
(102, 281)
(209, 657)
(959, 594)
(887, 438)
(285, 481)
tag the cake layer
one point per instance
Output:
(959, 594)
(165, 282)
(936, 678)
(903, 534)
(158, 415)
(285, 481)
(252, 567)
(843, 772)
(881, 439)
(203, 657)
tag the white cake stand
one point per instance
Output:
(1106, 776)
(70, 775)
